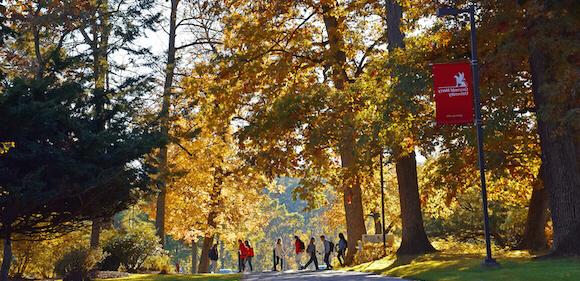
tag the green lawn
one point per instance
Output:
(453, 267)
(180, 277)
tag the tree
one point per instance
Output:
(43, 191)
(199, 16)
(53, 179)
(291, 87)
(553, 71)
(414, 239)
(109, 27)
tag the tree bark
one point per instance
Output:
(6, 258)
(559, 155)
(193, 257)
(204, 258)
(355, 226)
(414, 240)
(164, 117)
(96, 227)
(534, 237)
(222, 253)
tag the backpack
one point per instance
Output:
(331, 246)
(302, 246)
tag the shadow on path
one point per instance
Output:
(327, 275)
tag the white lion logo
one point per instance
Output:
(460, 80)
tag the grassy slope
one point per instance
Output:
(181, 277)
(451, 267)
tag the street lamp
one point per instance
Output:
(383, 204)
(449, 11)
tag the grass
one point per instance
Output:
(454, 267)
(181, 277)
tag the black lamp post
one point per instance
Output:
(383, 204)
(449, 11)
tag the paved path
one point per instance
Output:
(326, 275)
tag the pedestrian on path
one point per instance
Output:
(213, 258)
(342, 245)
(299, 248)
(250, 255)
(243, 253)
(328, 248)
(311, 250)
(279, 254)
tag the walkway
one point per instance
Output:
(326, 275)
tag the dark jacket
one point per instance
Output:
(213, 254)
(311, 249)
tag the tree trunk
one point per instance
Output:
(96, 227)
(355, 226)
(559, 155)
(160, 206)
(164, 117)
(100, 47)
(6, 259)
(222, 254)
(215, 202)
(414, 240)
(534, 237)
(204, 258)
(193, 257)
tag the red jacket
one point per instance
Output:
(297, 247)
(243, 251)
(250, 252)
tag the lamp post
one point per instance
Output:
(383, 204)
(449, 11)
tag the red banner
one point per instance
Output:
(453, 84)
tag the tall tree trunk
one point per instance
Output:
(96, 228)
(164, 117)
(222, 254)
(204, 257)
(355, 226)
(6, 258)
(215, 202)
(193, 257)
(559, 154)
(534, 237)
(414, 240)
(100, 47)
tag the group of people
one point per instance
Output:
(246, 253)
(300, 248)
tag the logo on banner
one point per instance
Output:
(460, 88)
(453, 98)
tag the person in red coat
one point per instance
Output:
(250, 254)
(243, 254)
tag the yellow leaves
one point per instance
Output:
(6, 146)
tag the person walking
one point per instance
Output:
(213, 258)
(278, 255)
(299, 248)
(327, 251)
(342, 245)
(250, 255)
(243, 252)
(311, 250)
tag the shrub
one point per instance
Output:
(132, 247)
(76, 264)
(161, 263)
(370, 252)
